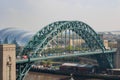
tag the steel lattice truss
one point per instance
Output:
(42, 38)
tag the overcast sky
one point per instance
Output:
(101, 15)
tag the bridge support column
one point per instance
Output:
(7, 62)
(117, 55)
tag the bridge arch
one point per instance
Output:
(46, 34)
(42, 37)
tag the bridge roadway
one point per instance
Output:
(65, 55)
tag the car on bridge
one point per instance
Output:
(18, 57)
(24, 57)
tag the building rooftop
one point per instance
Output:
(78, 65)
(14, 36)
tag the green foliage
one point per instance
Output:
(46, 63)
(43, 63)
(69, 48)
(58, 49)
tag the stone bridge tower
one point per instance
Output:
(117, 55)
(7, 62)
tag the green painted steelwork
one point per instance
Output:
(41, 39)
(67, 55)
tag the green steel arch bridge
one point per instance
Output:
(64, 39)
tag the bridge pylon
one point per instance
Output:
(7, 62)
(117, 55)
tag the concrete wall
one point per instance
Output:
(7, 62)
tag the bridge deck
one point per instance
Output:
(66, 55)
